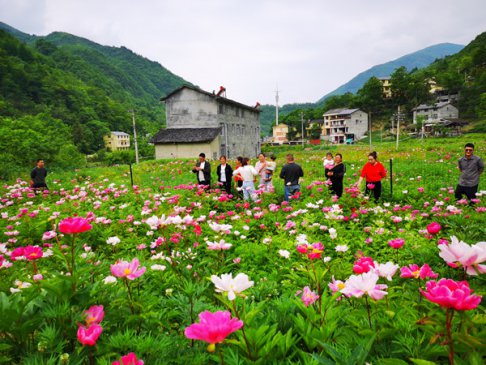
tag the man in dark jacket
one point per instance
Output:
(203, 171)
(291, 172)
(38, 176)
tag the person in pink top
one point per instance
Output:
(261, 167)
(373, 172)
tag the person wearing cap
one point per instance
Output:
(471, 167)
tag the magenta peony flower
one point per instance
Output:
(130, 359)
(315, 251)
(370, 186)
(17, 253)
(451, 294)
(33, 252)
(396, 243)
(89, 335)
(434, 228)
(129, 270)
(416, 272)
(213, 328)
(363, 265)
(74, 225)
(94, 314)
(308, 296)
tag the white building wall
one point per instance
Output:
(188, 150)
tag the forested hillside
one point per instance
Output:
(463, 73)
(83, 88)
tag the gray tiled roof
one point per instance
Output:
(185, 135)
(341, 111)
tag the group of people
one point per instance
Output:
(373, 172)
(244, 176)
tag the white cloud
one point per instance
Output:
(308, 48)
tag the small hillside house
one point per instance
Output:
(117, 141)
(435, 113)
(386, 85)
(344, 125)
(200, 121)
(280, 133)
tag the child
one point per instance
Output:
(328, 161)
(268, 178)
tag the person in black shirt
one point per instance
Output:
(291, 172)
(38, 176)
(225, 174)
(336, 175)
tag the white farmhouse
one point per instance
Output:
(344, 125)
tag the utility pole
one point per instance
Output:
(134, 134)
(302, 124)
(398, 126)
(276, 106)
(369, 128)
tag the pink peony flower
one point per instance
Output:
(370, 186)
(17, 254)
(396, 243)
(213, 328)
(416, 272)
(130, 359)
(451, 294)
(308, 296)
(94, 314)
(74, 225)
(434, 228)
(358, 285)
(459, 253)
(363, 265)
(129, 270)
(89, 335)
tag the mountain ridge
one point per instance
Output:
(410, 61)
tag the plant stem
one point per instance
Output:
(221, 355)
(368, 309)
(449, 316)
(243, 331)
(129, 295)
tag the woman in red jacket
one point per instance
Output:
(373, 171)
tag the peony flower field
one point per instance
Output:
(95, 271)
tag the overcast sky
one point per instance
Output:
(306, 48)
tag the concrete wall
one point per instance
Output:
(434, 115)
(240, 127)
(188, 150)
(358, 124)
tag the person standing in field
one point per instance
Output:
(225, 174)
(237, 178)
(291, 173)
(261, 167)
(373, 172)
(203, 171)
(336, 175)
(471, 167)
(38, 175)
(248, 174)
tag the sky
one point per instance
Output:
(305, 48)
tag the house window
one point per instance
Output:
(220, 109)
(222, 128)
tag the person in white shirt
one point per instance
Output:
(203, 171)
(225, 174)
(248, 173)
